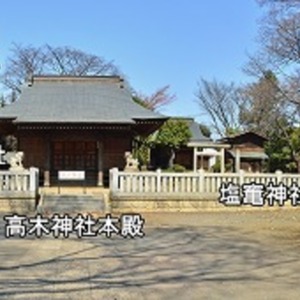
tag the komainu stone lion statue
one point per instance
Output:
(132, 164)
(14, 159)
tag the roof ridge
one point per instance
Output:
(85, 78)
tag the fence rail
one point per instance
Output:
(189, 183)
(23, 182)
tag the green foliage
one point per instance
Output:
(270, 75)
(142, 150)
(179, 168)
(176, 168)
(2, 101)
(139, 101)
(229, 167)
(282, 153)
(216, 168)
(173, 134)
(205, 130)
(295, 138)
(232, 131)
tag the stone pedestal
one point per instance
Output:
(100, 179)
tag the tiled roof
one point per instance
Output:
(89, 99)
(197, 135)
(239, 135)
(250, 154)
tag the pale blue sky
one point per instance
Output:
(155, 42)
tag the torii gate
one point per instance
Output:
(199, 150)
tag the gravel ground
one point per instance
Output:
(212, 255)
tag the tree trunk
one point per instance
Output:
(296, 158)
(298, 164)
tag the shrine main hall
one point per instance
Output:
(76, 124)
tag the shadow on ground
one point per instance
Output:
(168, 263)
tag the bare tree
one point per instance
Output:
(23, 62)
(70, 61)
(279, 41)
(221, 102)
(286, 3)
(160, 98)
(279, 51)
(47, 60)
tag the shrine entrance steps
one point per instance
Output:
(73, 202)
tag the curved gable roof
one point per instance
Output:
(88, 99)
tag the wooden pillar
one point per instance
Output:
(237, 160)
(195, 159)
(100, 164)
(46, 178)
(48, 162)
(222, 158)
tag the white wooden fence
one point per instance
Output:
(24, 183)
(188, 183)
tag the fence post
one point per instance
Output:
(158, 180)
(278, 176)
(33, 180)
(201, 180)
(113, 179)
(241, 177)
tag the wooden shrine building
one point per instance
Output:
(246, 152)
(76, 127)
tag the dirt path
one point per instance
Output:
(238, 255)
(276, 225)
